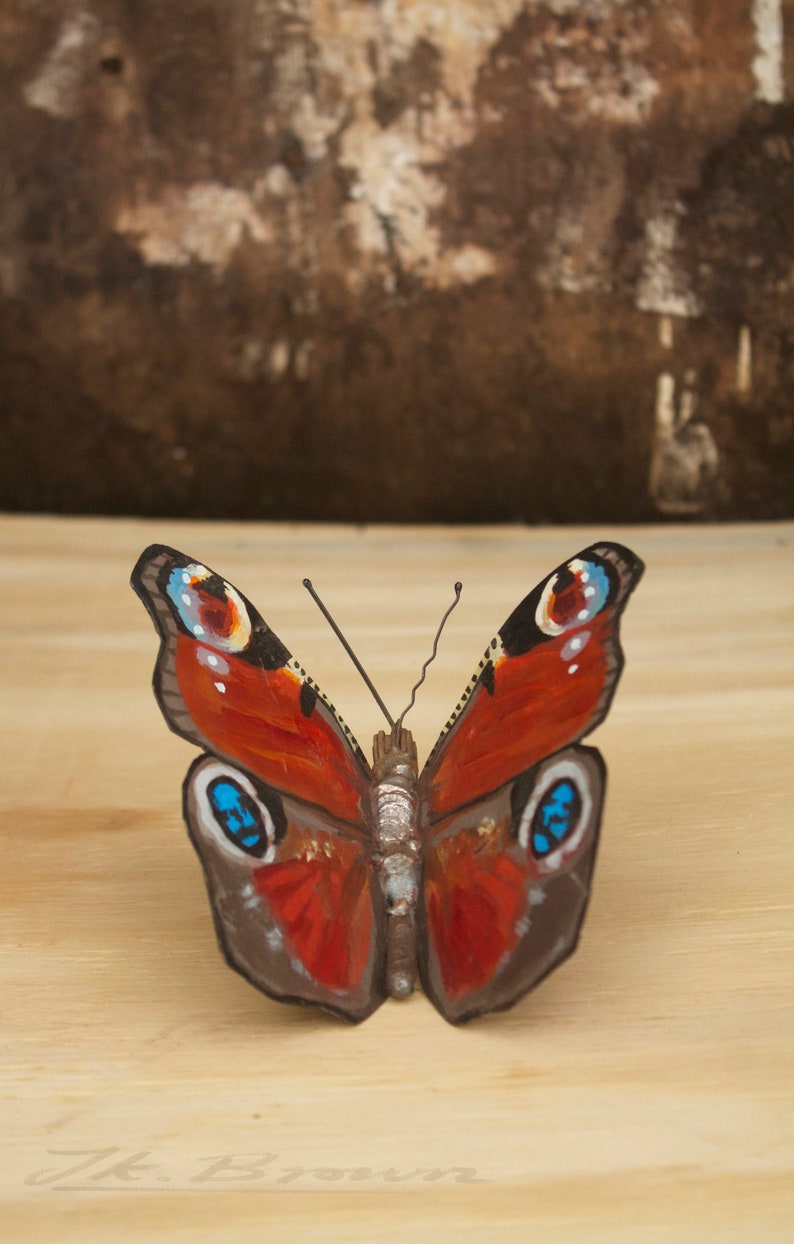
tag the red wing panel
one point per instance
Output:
(226, 682)
(320, 897)
(297, 906)
(535, 708)
(475, 896)
(254, 716)
(544, 683)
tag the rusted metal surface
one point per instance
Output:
(488, 261)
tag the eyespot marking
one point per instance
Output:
(572, 596)
(209, 608)
(245, 822)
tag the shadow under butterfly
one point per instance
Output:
(334, 880)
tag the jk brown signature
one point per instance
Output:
(119, 1170)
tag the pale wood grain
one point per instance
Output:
(642, 1093)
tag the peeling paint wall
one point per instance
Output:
(490, 259)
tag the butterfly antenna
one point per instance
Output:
(396, 729)
(307, 583)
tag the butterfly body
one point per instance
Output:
(334, 881)
(398, 853)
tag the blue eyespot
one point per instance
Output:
(239, 816)
(556, 817)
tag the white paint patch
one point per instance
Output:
(768, 60)
(572, 263)
(276, 182)
(393, 196)
(205, 222)
(662, 287)
(613, 82)
(685, 460)
(666, 332)
(465, 266)
(396, 189)
(312, 127)
(665, 401)
(744, 361)
(278, 358)
(575, 645)
(56, 87)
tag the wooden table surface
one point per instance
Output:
(641, 1093)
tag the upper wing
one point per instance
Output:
(225, 681)
(545, 681)
(280, 812)
(510, 807)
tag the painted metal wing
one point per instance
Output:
(510, 804)
(279, 809)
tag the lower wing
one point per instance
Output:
(506, 885)
(297, 907)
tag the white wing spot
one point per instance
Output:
(221, 686)
(571, 669)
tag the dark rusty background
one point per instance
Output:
(399, 261)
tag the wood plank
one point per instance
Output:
(643, 1092)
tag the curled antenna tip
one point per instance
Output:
(307, 583)
(430, 659)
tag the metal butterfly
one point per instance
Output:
(334, 880)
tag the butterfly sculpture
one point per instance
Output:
(332, 880)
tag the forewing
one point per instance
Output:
(296, 904)
(506, 885)
(225, 681)
(544, 683)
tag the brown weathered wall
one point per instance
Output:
(415, 259)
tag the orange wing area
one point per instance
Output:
(254, 716)
(323, 905)
(474, 899)
(540, 701)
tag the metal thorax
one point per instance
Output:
(397, 852)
